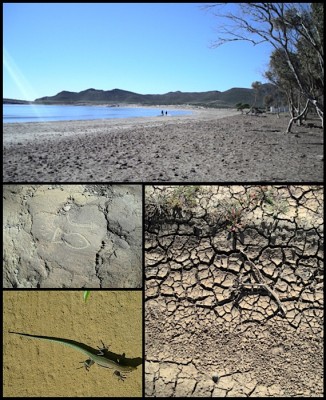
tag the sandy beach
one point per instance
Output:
(207, 146)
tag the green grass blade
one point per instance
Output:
(86, 294)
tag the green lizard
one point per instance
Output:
(99, 358)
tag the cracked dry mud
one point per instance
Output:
(59, 236)
(234, 292)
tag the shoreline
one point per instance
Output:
(210, 145)
(158, 108)
(25, 131)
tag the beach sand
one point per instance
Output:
(207, 146)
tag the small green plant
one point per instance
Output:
(183, 197)
(275, 203)
(277, 207)
(86, 295)
(174, 200)
(233, 213)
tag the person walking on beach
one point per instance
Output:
(162, 112)
(166, 113)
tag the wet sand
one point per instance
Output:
(207, 146)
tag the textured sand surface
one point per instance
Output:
(207, 146)
(37, 368)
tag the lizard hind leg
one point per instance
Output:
(120, 376)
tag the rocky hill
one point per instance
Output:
(14, 101)
(214, 98)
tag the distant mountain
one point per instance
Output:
(14, 101)
(211, 99)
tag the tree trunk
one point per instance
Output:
(320, 110)
(296, 118)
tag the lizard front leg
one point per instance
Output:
(87, 364)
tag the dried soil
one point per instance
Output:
(72, 236)
(239, 312)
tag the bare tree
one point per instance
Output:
(281, 76)
(282, 25)
(256, 86)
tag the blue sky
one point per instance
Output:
(141, 47)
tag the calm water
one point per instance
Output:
(43, 113)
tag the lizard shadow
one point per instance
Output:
(118, 358)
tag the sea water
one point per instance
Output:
(43, 113)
